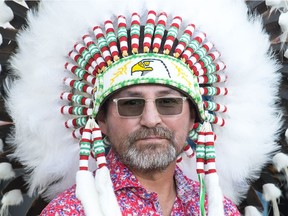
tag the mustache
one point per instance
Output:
(143, 133)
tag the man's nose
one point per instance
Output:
(150, 116)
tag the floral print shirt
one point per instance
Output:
(134, 199)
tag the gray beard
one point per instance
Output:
(150, 157)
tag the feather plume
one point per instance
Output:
(215, 196)
(87, 193)
(6, 13)
(271, 193)
(6, 171)
(13, 197)
(107, 198)
(280, 161)
(252, 211)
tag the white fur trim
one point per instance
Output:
(6, 171)
(107, 198)
(215, 196)
(87, 194)
(252, 211)
(13, 197)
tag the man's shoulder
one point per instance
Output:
(65, 203)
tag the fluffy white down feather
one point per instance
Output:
(6, 13)
(45, 146)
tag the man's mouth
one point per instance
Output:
(152, 137)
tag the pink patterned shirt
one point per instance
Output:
(134, 199)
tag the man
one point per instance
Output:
(150, 79)
(144, 149)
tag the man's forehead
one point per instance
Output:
(147, 89)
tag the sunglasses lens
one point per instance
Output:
(169, 106)
(133, 107)
(130, 106)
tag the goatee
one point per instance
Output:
(150, 157)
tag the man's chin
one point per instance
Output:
(150, 158)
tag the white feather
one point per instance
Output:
(283, 19)
(283, 22)
(22, 2)
(6, 14)
(271, 192)
(87, 193)
(6, 171)
(11, 198)
(280, 161)
(252, 211)
(215, 196)
(107, 198)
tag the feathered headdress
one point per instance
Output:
(98, 44)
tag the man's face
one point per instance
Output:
(151, 141)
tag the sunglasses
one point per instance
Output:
(133, 107)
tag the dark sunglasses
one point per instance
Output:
(133, 107)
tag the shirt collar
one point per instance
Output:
(122, 177)
(184, 186)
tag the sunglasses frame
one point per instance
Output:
(115, 100)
